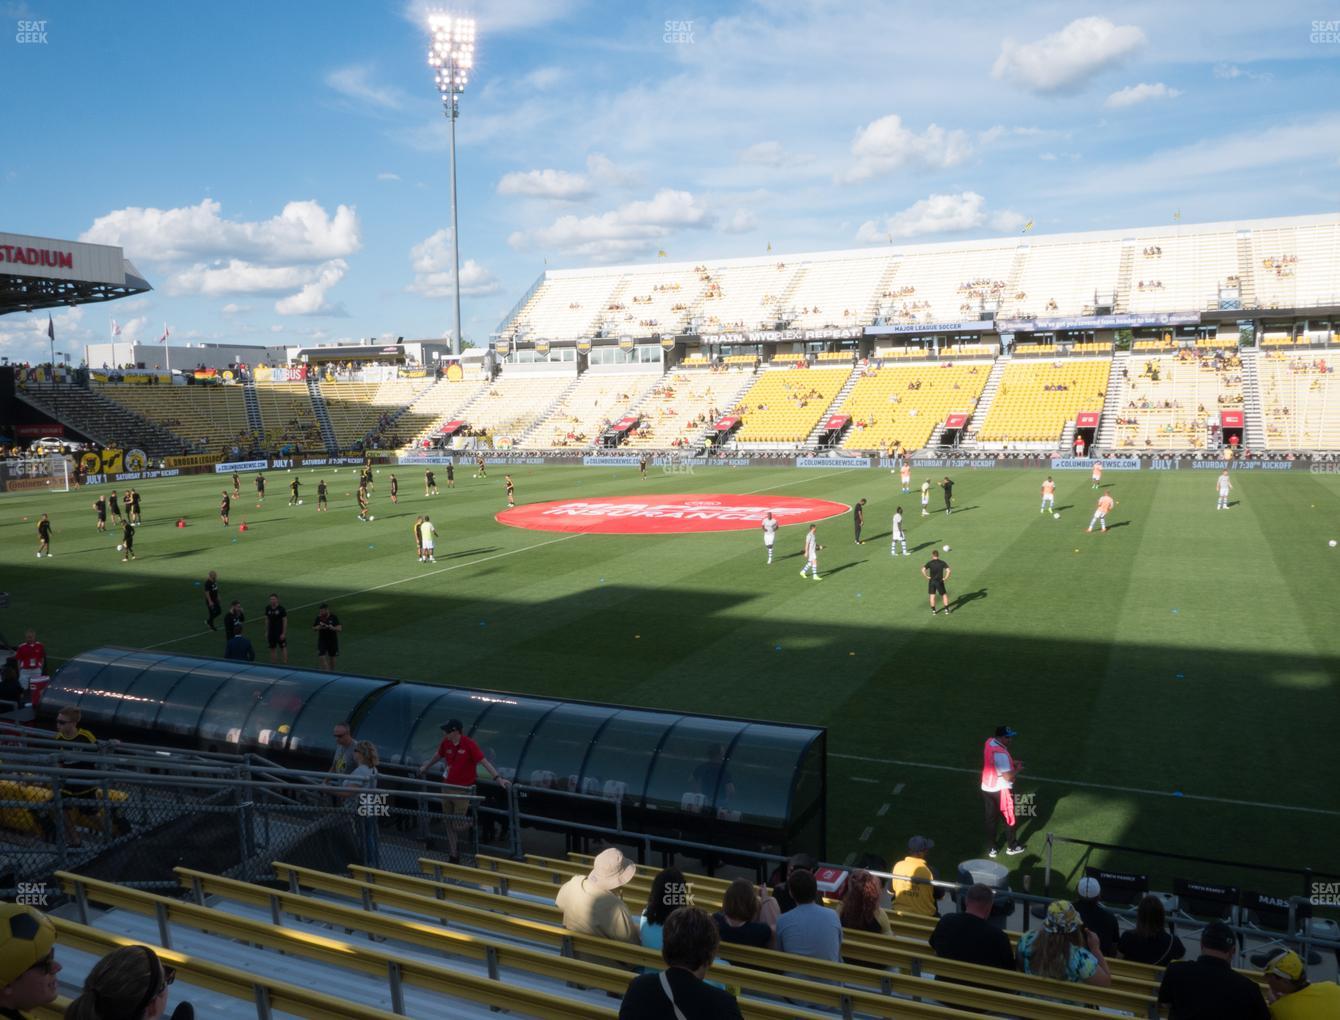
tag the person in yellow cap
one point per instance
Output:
(28, 966)
(1293, 997)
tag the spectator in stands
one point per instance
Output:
(809, 929)
(860, 909)
(130, 982)
(1150, 941)
(911, 888)
(1059, 951)
(28, 966)
(360, 782)
(780, 892)
(590, 903)
(1209, 986)
(1293, 997)
(669, 892)
(462, 757)
(739, 921)
(970, 936)
(1097, 918)
(343, 761)
(680, 992)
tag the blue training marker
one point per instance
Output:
(777, 648)
(1180, 676)
(1177, 793)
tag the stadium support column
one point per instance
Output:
(451, 53)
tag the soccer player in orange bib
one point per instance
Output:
(1105, 504)
(1097, 474)
(905, 475)
(1048, 496)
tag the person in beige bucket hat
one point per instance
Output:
(590, 903)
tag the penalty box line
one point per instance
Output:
(387, 584)
(1101, 786)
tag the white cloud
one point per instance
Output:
(311, 300)
(544, 78)
(1065, 61)
(26, 339)
(741, 223)
(236, 276)
(885, 144)
(938, 214)
(386, 175)
(764, 154)
(302, 232)
(431, 260)
(1228, 72)
(233, 308)
(604, 170)
(1143, 92)
(627, 230)
(558, 185)
(355, 82)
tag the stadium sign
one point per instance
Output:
(1087, 463)
(619, 461)
(667, 515)
(901, 328)
(832, 462)
(503, 459)
(1243, 465)
(241, 465)
(425, 458)
(938, 462)
(772, 336)
(23, 255)
(1092, 322)
(706, 462)
(131, 476)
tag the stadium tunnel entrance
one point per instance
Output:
(744, 784)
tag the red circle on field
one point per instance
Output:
(667, 515)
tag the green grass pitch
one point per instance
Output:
(1173, 681)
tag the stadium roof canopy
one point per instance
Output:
(42, 272)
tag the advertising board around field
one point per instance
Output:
(1243, 465)
(131, 476)
(240, 465)
(1087, 463)
(192, 460)
(504, 459)
(617, 461)
(956, 463)
(427, 458)
(708, 462)
(330, 461)
(832, 462)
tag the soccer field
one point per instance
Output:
(1173, 681)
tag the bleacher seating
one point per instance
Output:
(1297, 265)
(948, 283)
(356, 410)
(785, 404)
(682, 404)
(744, 295)
(511, 406)
(566, 305)
(1037, 399)
(826, 288)
(1173, 402)
(209, 418)
(436, 406)
(1064, 277)
(1299, 400)
(287, 416)
(595, 402)
(840, 356)
(1186, 274)
(102, 419)
(654, 300)
(903, 403)
(740, 359)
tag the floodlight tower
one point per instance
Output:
(451, 54)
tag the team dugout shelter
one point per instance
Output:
(43, 272)
(737, 783)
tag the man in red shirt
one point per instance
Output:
(462, 758)
(32, 658)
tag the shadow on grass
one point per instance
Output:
(968, 597)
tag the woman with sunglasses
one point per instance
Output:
(130, 983)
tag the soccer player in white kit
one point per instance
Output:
(925, 497)
(428, 537)
(812, 548)
(769, 533)
(899, 535)
(1223, 486)
(1048, 496)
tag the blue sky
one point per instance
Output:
(279, 171)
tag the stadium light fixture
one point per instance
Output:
(451, 55)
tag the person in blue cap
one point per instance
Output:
(998, 771)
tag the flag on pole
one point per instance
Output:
(116, 330)
(1027, 227)
(661, 254)
(1177, 216)
(51, 328)
(163, 339)
(769, 246)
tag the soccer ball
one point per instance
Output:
(371, 517)
(946, 548)
(120, 547)
(299, 502)
(1056, 517)
(1331, 543)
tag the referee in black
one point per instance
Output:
(948, 486)
(936, 572)
(858, 519)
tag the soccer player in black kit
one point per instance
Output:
(225, 507)
(114, 507)
(293, 491)
(395, 490)
(948, 486)
(237, 486)
(858, 519)
(451, 475)
(321, 496)
(260, 489)
(430, 483)
(127, 542)
(100, 507)
(936, 571)
(44, 536)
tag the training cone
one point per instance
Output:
(181, 522)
